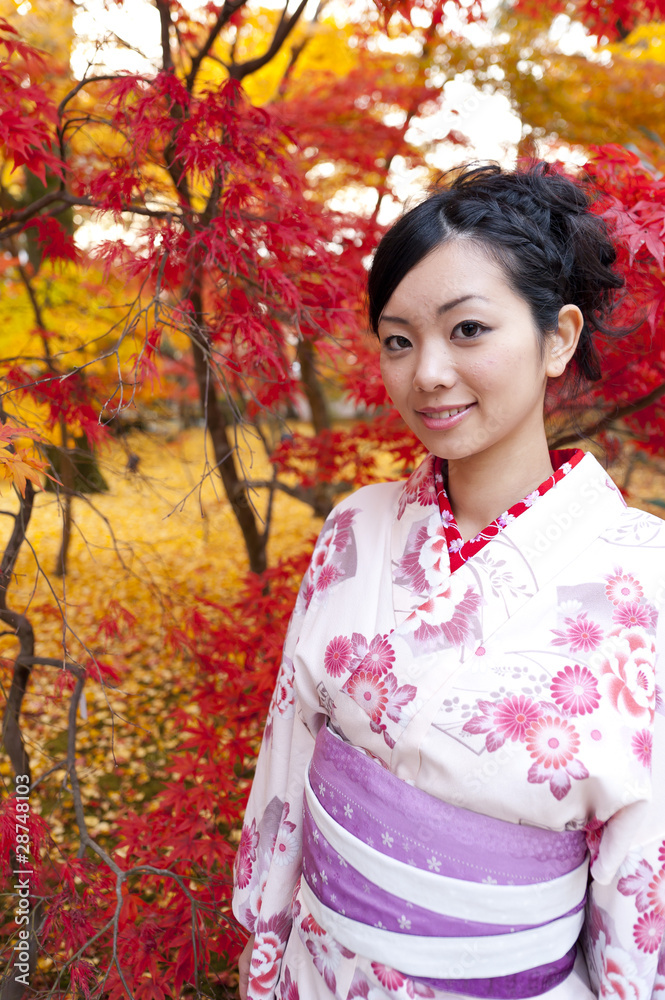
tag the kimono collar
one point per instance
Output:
(424, 526)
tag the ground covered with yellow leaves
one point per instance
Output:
(139, 556)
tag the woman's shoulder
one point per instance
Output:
(374, 499)
(636, 520)
(635, 544)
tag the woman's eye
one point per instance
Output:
(396, 343)
(468, 330)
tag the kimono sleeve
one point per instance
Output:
(625, 921)
(269, 859)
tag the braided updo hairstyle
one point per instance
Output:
(536, 224)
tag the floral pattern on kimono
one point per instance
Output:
(525, 685)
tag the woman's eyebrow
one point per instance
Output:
(446, 307)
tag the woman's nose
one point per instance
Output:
(434, 370)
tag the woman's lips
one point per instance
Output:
(443, 419)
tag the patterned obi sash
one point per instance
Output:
(455, 899)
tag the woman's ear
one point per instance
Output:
(563, 342)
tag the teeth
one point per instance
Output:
(452, 413)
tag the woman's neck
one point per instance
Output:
(485, 485)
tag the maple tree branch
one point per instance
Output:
(230, 8)
(617, 414)
(165, 27)
(238, 71)
(52, 661)
(305, 494)
(10, 227)
(79, 86)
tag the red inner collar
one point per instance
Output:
(459, 550)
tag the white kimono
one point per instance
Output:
(521, 686)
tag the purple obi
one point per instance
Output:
(460, 901)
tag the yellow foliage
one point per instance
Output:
(150, 546)
(93, 322)
(322, 49)
(19, 466)
(645, 43)
(50, 29)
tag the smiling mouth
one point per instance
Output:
(447, 412)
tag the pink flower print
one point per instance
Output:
(342, 528)
(578, 634)
(436, 610)
(632, 615)
(420, 487)
(310, 926)
(284, 692)
(415, 989)
(531, 498)
(627, 675)
(637, 884)
(456, 545)
(379, 657)
(288, 989)
(255, 902)
(265, 963)
(426, 494)
(328, 575)
(287, 846)
(321, 552)
(656, 893)
(338, 655)
(575, 690)
(249, 841)
(593, 833)
(388, 977)
(642, 745)
(433, 553)
(440, 617)
(327, 954)
(410, 573)
(246, 856)
(398, 698)
(648, 932)
(514, 715)
(552, 741)
(617, 974)
(510, 719)
(484, 723)
(242, 870)
(359, 987)
(623, 588)
(369, 691)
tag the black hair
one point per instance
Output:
(534, 222)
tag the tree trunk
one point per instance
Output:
(323, 492)
(60, 568)
(20, 625)
(11, 730)
(217, 427)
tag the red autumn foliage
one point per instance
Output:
(608, 20)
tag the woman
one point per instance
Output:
(455, 794)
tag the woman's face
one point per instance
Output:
(461, 357)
